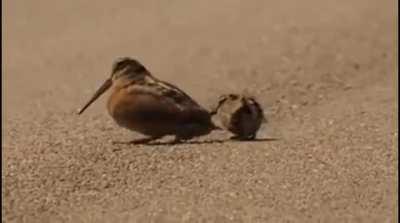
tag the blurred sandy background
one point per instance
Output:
(325, 71)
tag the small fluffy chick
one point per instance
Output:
(239, 114)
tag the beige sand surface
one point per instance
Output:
(326, 72)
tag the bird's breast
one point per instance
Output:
(120, 106)
(137, 112)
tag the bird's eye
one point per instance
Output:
(233, 97)
(118, 67)
(140, 69)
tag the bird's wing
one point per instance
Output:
(155, 101)
(171, 89)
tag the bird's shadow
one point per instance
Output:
(212, 141)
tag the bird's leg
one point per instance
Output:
(140, 141)
(234, 137)
(251, 137)
(176, 140)
(144, 140)
(241, 138)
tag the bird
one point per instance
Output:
(241, 115)
(142, 103)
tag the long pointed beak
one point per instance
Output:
(106, 85)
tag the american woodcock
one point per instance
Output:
(142, 103)
(239, 114)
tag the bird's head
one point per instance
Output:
(123, 69)
(128, 68)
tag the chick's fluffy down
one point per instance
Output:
(239, 114)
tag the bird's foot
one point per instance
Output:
(138, 141)
(241, 138)
(177, 140)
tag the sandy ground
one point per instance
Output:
(325, 71)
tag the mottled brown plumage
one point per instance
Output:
(239, 114)
(142, 103)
